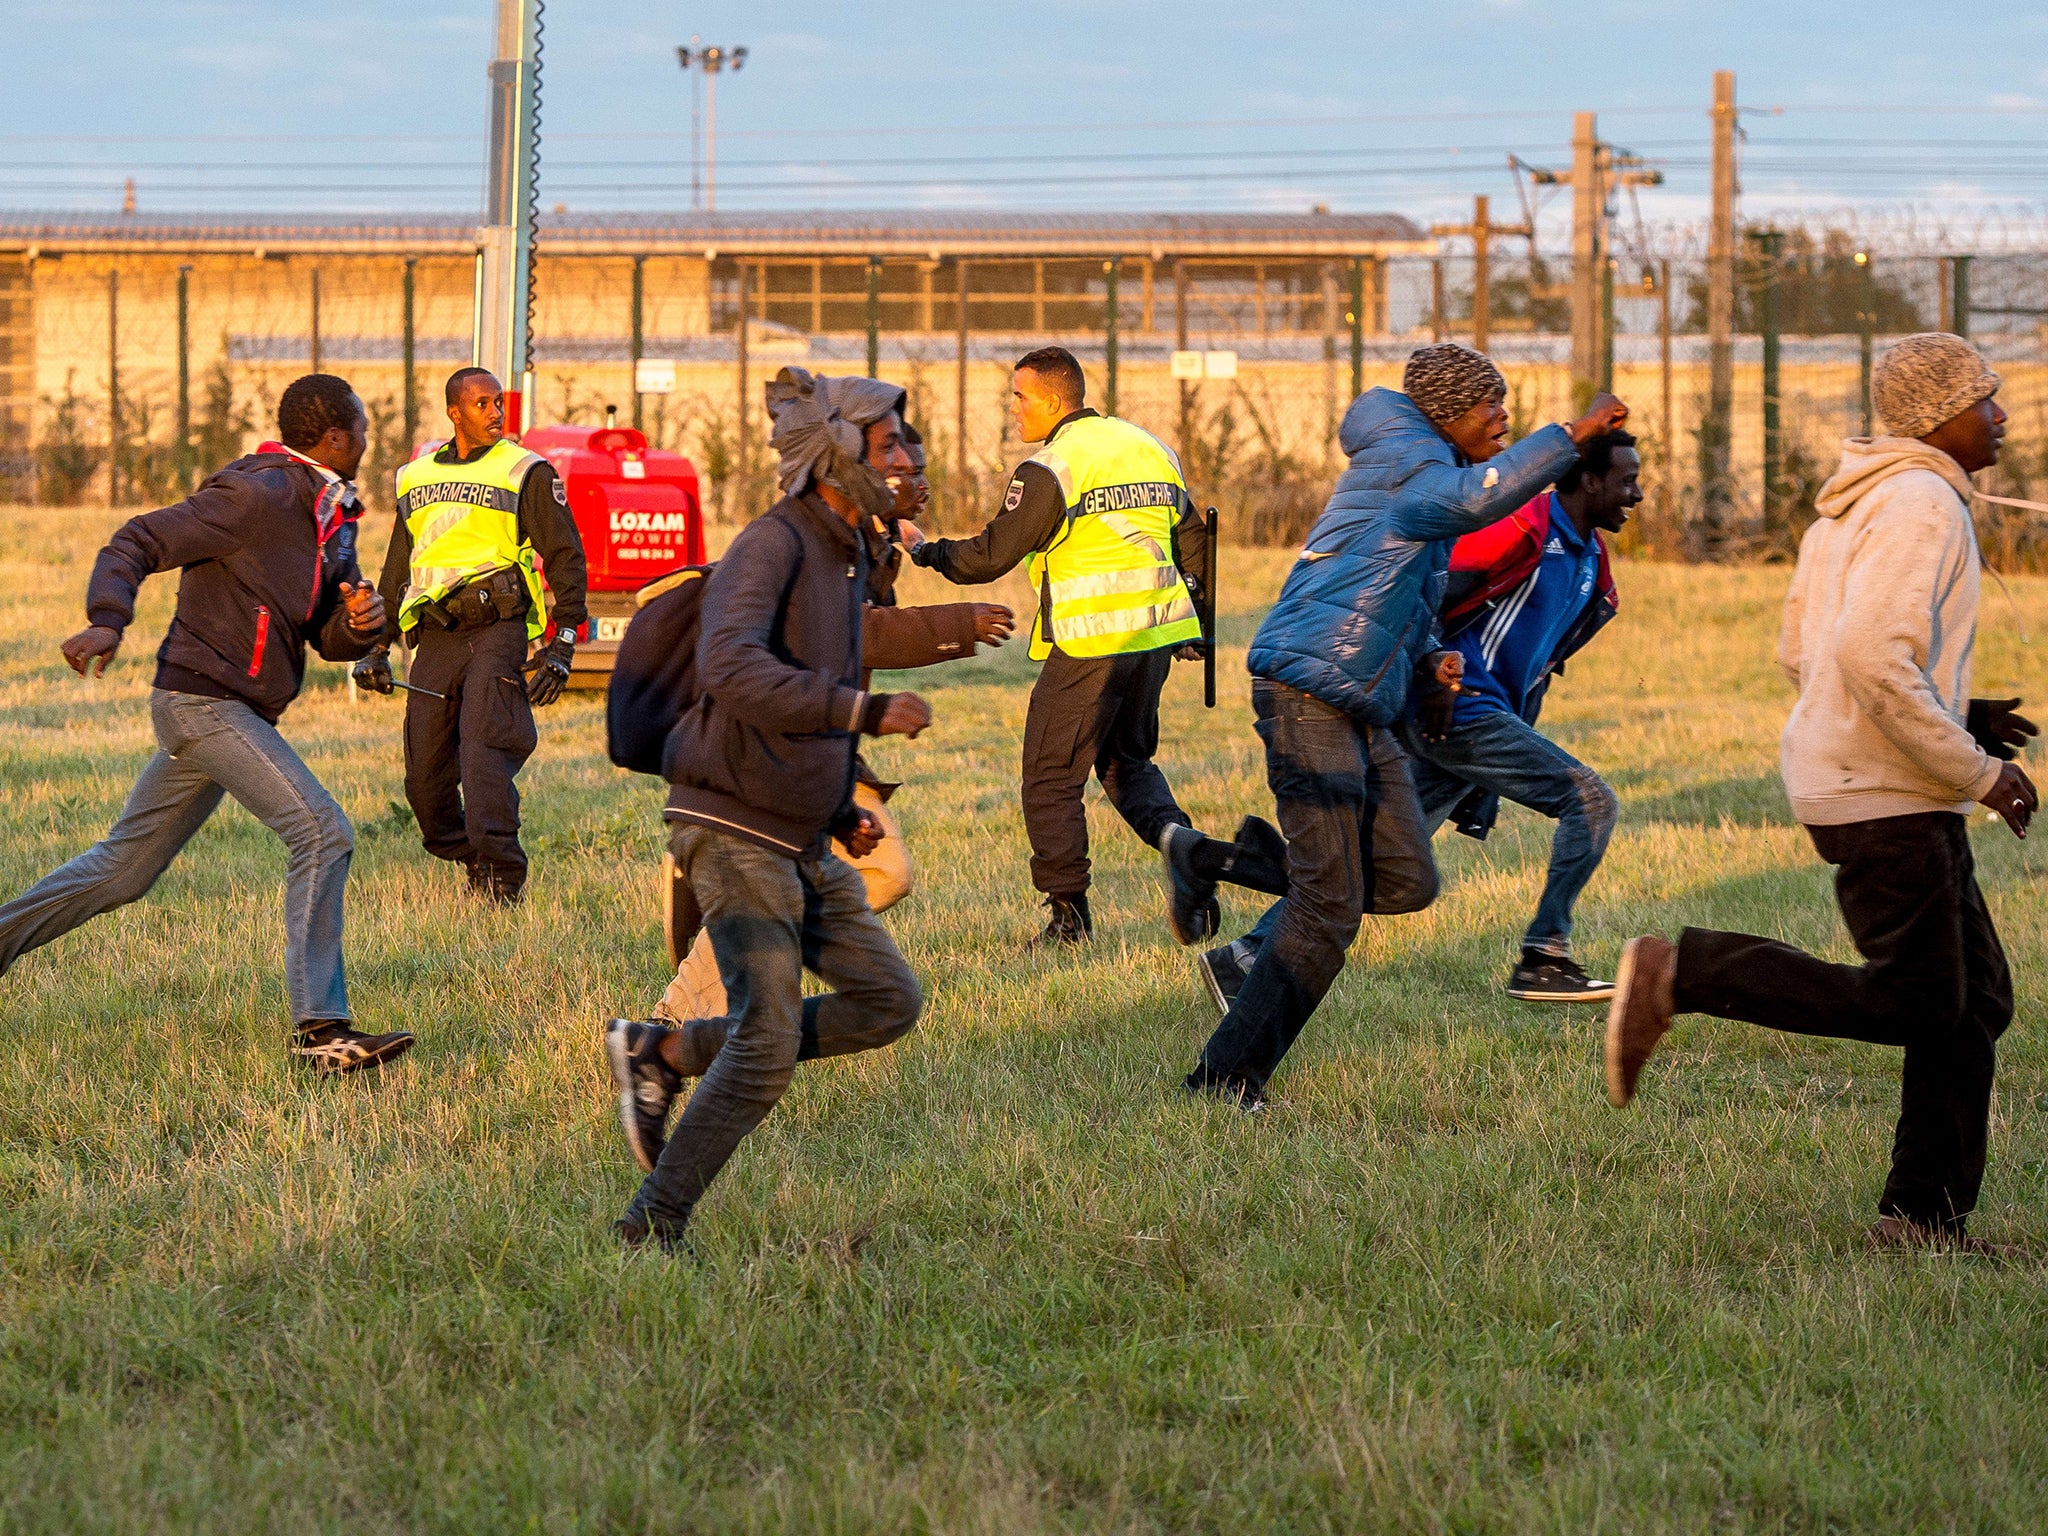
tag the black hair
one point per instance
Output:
(1596, 457)
(1056, 365)
(454, 389)
(314, 405)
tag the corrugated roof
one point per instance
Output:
(908, 233)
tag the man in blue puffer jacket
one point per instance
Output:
(1332, 665)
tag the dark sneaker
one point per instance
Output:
(332, 1046)
(1555, 979)
(1224, 969)
(1191, 910)
(1069, 924)
(1636, 1016)
(1231, 1089)
(647, 1085)
(491, 887)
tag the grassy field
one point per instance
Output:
(1001, 1278)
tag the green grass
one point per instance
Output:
(1000, 1278)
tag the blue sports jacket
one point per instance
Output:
(1358, 611)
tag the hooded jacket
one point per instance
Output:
(1357, 613)
(263, 547)
(1879, 627)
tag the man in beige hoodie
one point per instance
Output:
(1884, 757)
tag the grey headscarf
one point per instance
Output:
(820, 427)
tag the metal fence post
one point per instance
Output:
(113, 389)
(874, 317)
(1180, 342)
(1109, 319)
(1357, 319)
(639, 338)
(960, 383)
(184, 454)
(410, 345)
(1959, 297)
(314, 329)
(1607, 324)
(1666, 427)
(1866, 328)
(740, 457)
(1767, 325)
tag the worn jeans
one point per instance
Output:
(770, 917)
(1934, 982)
(1356, 843)
(206, 748)
(1504, 754)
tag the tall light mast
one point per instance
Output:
(503, 335)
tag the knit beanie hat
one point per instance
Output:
(1447, 380)
(1925, 380)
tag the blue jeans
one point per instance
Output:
(770, 918)
(1356, 843)
(1505, 755)
(206, 748)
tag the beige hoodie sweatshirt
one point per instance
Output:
(1879, 626)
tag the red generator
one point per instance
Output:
(640, 515)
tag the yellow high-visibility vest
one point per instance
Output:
(1108, 580)
(464, 520)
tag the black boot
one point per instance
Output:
(1260, 863)
(1068, 924)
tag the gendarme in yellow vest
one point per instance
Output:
(464, 520)
(1108, 579)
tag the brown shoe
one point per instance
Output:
(1893, 1234)
(1640, 1012)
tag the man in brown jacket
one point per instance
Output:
(1884, 757)
(893, 638)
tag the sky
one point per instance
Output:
(1888, 108)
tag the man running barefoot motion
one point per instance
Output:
(1883, 757)
(762, 771)
(266, 555)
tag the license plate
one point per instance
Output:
(612, 629)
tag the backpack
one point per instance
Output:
(654, 675)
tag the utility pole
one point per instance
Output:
(709, 62)
(1589, 206)
(1482, 232)
(506, 255)
(1715, 431)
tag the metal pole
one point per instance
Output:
(742, 354)
(313, 325)
(874, 317)
(1767, 324)
(710, 140)
(960, 384)
(1716, 433)
(504, 318)
(1666, 427)
(411, 345)
(113, 389)
(1482, 298)
(184, 457)
(1109, 319)
(1357, 319)
(639, 318)
(1436, 298)
(1959, 297)
(1866, 326)
(1606, 379)
(1180, 342)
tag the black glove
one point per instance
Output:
(1999, 730)
(549, 671)
(374, 671)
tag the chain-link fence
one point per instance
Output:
(95, 344)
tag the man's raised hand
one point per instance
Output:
(1605, 414)
(97, 643)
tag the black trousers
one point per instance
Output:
(1934, 982)
(1098, 714)
(462, 752)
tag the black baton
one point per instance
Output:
(1209, 617)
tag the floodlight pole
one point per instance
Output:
(504, 296)
(708, 62)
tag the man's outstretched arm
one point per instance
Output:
(1033, 510)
